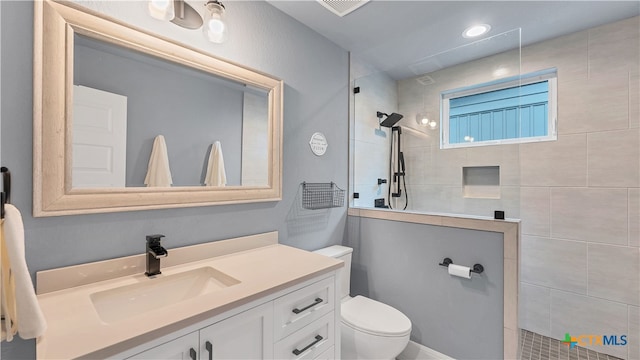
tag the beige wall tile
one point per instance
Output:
(555, 163)
(424, 139)
(598, 104)
(509, 202)
(418, 166)
(447, 166)
(558, 264)
(613, 158)
(634, 217)
(535, 210)
(491, 68)
(614, 46)
(595, 215)
(614, 273)
(535, 308)
(577, 314)
(566, 53)
(505, 156)
(633, 336)
(432, 198)
(634, 100)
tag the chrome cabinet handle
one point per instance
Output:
(298, 352)
(192, 354)
(209, 348)
(316, 302)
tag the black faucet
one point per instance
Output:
(155, 251)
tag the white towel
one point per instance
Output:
(158, 171)
(216, 175)
(30, 319)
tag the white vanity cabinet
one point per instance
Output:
(305, 321)
(182, 348)
(298, 323)
(247, 335)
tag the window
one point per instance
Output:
(515, 110)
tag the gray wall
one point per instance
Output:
(397, 264)
(190, 109)
(315, 72)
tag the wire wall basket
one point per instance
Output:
(321, 195)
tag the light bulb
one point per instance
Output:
(425, 119)
(422, 119)
(162, 9)
(215, 28)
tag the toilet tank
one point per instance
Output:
(341, 253)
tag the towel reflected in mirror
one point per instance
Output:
(216, 174)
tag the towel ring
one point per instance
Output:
(5, 195)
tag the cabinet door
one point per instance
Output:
(248, 335)
(182, 348)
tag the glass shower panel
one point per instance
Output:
(371, 160)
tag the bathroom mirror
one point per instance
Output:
(79, 60)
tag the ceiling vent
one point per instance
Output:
(425, 80)
(342, 7)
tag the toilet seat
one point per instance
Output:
(375, 318)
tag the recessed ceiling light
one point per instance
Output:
(476, 30)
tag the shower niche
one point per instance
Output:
(481, 182)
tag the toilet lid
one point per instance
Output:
(374, 317)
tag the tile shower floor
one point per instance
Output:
(537, 347)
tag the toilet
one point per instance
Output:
(370, 329)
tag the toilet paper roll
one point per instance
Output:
(460, 271)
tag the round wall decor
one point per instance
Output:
(318, 143)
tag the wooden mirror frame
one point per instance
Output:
(55, 24)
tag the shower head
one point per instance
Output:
(390, 120)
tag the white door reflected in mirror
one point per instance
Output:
(99, 138)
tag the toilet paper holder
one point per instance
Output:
(477, 268)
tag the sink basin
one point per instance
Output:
(154, 293)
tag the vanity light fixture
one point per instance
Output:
(182, 14)
(215, 26)
(162, 9)
(476, 30)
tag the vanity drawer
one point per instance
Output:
(327, 355)
(309, 342)
(301, 307)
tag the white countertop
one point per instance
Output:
(76, 330)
